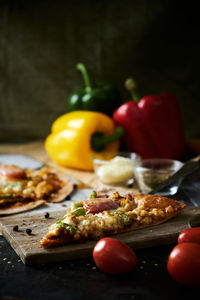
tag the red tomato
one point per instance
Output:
(113, 256)
(11, 171)
(189, 235)
(184, 264)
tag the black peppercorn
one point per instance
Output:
(15, 228)
(47, 215)
(28, 231)
(130, 185)
(75, 186)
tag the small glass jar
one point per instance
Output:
(150, 173)
(116, 171)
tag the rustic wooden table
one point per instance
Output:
(79, 279)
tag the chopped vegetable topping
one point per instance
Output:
(126, 220)
(112, 211)
(94, 194)
(76, 205)
(66, 226)
(3, 196)
(80, 211)
(17, 184)
(77, 209)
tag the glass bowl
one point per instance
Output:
(149, 173)
(118, 170)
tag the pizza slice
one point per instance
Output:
(103, 215)
(25, 189)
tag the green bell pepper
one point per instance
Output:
(94, 194)
(100, 96)
(60, 224)
(5, 196)
(78, 209)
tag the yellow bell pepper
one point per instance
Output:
(79, 136)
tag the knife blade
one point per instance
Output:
(177, 178)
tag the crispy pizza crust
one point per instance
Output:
(20, 207)
(61, 194)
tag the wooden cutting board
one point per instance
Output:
(30, 252)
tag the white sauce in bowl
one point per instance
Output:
(117, 170)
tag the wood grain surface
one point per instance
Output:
(30, 252)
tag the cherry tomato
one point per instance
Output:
(189, 235)
(11, 171)
(113, 256)
(184, 264)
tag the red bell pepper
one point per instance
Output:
(153, 126)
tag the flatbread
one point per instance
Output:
(65, 191)
(21, 207)
(18, 205)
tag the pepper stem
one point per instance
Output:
(131, 86)
(99, 141)
(81, 67)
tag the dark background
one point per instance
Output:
(80, 279)
(157, 42)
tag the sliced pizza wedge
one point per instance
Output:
(25, 189)
(103, 215)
